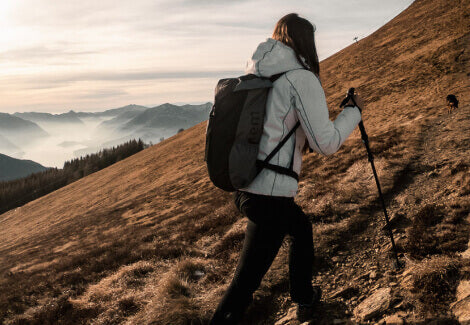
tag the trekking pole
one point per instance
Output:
(365, 140)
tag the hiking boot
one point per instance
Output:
(305, 311)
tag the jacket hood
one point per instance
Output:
(272, 57)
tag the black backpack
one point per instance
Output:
(234, 131)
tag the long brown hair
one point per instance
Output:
(298, 33)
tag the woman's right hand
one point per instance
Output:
(358, 100)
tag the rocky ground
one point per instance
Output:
(361, 282)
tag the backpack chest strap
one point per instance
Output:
(278, 169)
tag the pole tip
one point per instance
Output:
(397, 264)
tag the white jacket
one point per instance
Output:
(296, 95)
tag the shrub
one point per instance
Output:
(434, 282)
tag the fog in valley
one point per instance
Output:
(65, 142)
(52, 139)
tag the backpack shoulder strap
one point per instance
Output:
(275, 77)
(260, 164)
(282, 142)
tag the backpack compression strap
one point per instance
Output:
(260, 164)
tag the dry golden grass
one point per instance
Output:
(149, 240)
(434, 282)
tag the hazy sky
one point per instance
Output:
(88, 55)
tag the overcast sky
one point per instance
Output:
(88, 55)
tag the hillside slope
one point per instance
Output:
(150, 240)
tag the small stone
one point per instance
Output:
(466, 254)
(394, 320)
(287, 319)
(373, 275)
(374, 305)
(461, 310)
(361, 277)
(399, 305)
(345, 292)
(463, 290)
(198, 274)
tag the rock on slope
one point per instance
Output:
(150, 240)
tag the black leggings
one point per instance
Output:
(270, 218)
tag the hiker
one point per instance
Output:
(268, 201)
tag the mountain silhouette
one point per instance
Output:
(11, 168)
(113, 112)
(18, 130)
(69, 117)
(169, 116)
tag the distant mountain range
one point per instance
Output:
(114, 111)
(69, 117)
(82, 133)
(149, 124)
(18, 130)
(7, 146)
(12, 168)
(168, 116)
(120, 119)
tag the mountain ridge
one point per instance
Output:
(16, 129)
(12, 168)
(69, 117)
(170, 116)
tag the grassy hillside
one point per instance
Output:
(149, 240)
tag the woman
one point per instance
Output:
(268, 201)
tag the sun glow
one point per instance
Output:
(6, 28)
(5, 6)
